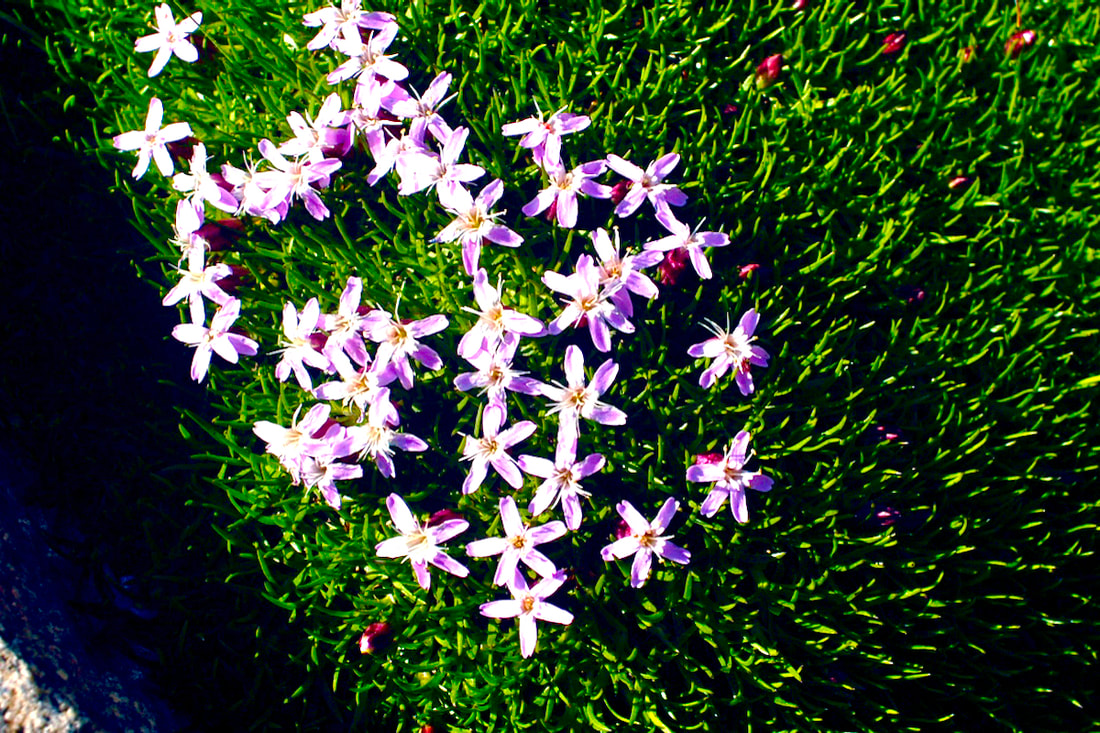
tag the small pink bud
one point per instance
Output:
(767, 73)
(618, 191)
(800, 4)
(730, 109)
(958, 182)
(893, 43)
(622, 529)
(967, 54)
(552, 212)
(1018, 42)
(747, 270)
(442, 516)
(704, 459)
(674, 263)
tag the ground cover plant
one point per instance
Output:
(863, 286)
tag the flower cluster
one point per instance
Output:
(357, 355)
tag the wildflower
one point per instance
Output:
(252, 198)
(152, 141)
(493, 320)
(291, 445)
(398, 341)
(202, 185)
(645, 541)
(367, 60)
(893, 43)
(419, 171)
(730, 480)
(188, 222)
(375, 637)
(543, 137)
(424, 110)
(693, 241)
(217, 338)
(646, 184)
(298, 347)
(365, 114)
(767, 73)
(562, 480)
(314, 138)
(473, 224)
(588, 301)
(376, 438)
(346, 326)
(495, 374)
(492, 449)
(363, 386)
(565, 185)
(1018, 42)
(620, 276)
(420, 544)
(578, 399)
(199, 281)
(731, 349)
(529, 604)
(343, 22)
(295, 179)
(518, 544)
(323, 471)
(170, 38)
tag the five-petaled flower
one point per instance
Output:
(543, 137)
(730, 479)
(153, 140)
(577, 399)
(473, 224)
(170, 38)
(518, 544)
(693, 242)
(645, 540)
(731, 348)
(530, 604)
(562, 480)
(420, 543)
(217, 339)
(492, 449)
(647, 184)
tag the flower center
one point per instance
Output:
(576, 398)
(647, 539)
(519, 542)
(527, 604)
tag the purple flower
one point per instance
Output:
(494, 320)
(313, 138)
(495, 374)
(420, 544)
(421, 170)
(367, 60)
(201, 185)
(692, 241)
(291, 445)
(323, 472)
(620, 276)
(588, 301)
(346, 326)
(492, 449)
(731, 349)
(170, 38)
(518, 544)
(398, 341)
(562, 480)
(364, 385)
(645, 541)
(424, 110)
(365, 115)
(647, 184)
(217, 339)
(563, 189)
(730, 480)
(198, 281)
(578, 399)
(543, 137)
(294, 179)
(152, 141)
(298, 349)
(343, 22)
(529, 604)
(376, 438)
(473, 223)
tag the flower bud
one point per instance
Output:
(618, 191)
(746, 270)
(375, 637)
(670, 268)
(893, 43)
(767, 73)
(1018, 42)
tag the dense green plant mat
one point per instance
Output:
(926, 555)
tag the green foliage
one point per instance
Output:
(969, 609)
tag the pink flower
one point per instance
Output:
(343, 22)
(587, 301)
(518, 544)
(621, 275)
(695, 242)
(293, 444)
(492, 449)
(1019, 41)
(202, 186)
(376, 438)
(495, 374)
(419, 171)
(493, 320)
(295, 179)
(420, 544)
(325, 135)
(647, 184)
(730, 480)
(397, 341)
(298, 348)
(561, 194)
(424, 110)
(529, 604)
(215, 339)
(367, 60)
(731, 349)
(562, 480)
(170, 38)
(578, 399)
(473, 224)
(152, 141)
(544, 137)
(645, 540)
(199, 281)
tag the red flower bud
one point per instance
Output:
(767, 73)
(893, 43)
(967, 54)
(622, 529)
(958, 182)
(674, 263)
(375, 637)
(618, 191)
(1018, 42)
(442, 516)
(800, 4)
(747, 270)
